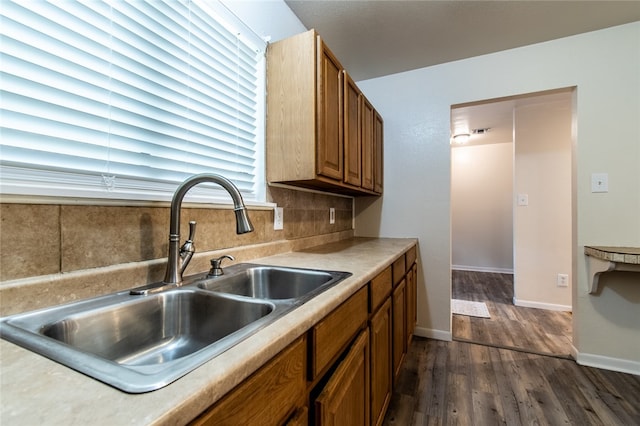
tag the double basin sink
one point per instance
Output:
(140, 343)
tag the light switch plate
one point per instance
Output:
(599, 182)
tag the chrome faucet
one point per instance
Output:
(179, 257)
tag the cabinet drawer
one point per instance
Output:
(333, 333)
(379, 289)
(399, 270)
(265, 398)
(411, 256)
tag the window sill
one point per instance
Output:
(40, 199)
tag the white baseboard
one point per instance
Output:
(540, 305)
(433, 334)
(607, 363)
(482, 269)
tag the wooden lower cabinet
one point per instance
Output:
(381, 362)
(344, 401)
(268, 397)
(299, 418)
(342, 370)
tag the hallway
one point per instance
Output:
(533, 330)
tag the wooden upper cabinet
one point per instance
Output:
(314, 120)
(368, 114)
(330, 146)
(352, 133)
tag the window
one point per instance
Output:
(124, 100)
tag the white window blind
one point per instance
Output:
(124, 100)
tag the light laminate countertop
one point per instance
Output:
(35, 390)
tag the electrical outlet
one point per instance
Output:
(523, 199)
(599, 182)
(562, 280)
(278, 219)
(332, 215)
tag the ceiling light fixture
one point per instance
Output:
(461, 138)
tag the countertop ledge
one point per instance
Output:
(629, 255)
(35, 390)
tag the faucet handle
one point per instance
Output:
(216, 269)
(188, 248)
(192, 230)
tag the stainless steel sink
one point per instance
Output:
(139, 343)
(157, 329)
(136, 343)
(272, 282)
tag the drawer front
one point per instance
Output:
(411, 256)
(399, 269)
(273, 389)
(380, 288)
(333, 333)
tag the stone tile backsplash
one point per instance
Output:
(48, 239)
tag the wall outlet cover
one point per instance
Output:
(523, 199)
(332, 215)
(599, 182)
(563, 280)
(278, 218)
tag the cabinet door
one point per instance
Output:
(411, 294)
(367, 143)
(299, 418)
(352, 134)
(345, 398)
(329, 109)
(381, 362)
(378, 160)
(399, 324)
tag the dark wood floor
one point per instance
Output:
(459, 383)
(509, 378)
(530, 329)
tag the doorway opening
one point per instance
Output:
(512, 220)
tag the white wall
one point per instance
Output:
(270, 19)
(605, 67)
(482, 207)
(542, 229)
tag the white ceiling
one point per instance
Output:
(373, 38)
